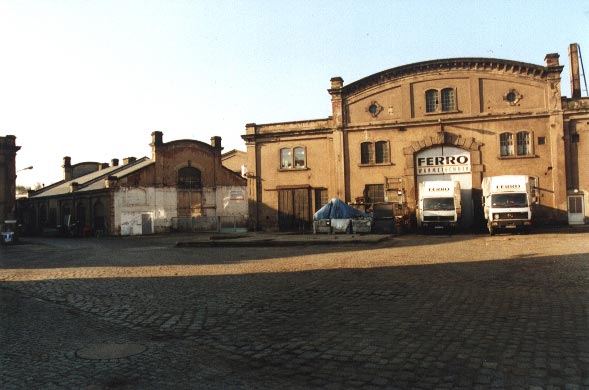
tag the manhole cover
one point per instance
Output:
(110, 351)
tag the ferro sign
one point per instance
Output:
(438, 165)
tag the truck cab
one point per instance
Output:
(507, 203)
(439, 205)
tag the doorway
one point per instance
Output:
(294, 212)
(576, 210)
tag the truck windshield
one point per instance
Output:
(438, 204)
(509, 200)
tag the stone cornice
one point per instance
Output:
(478, 64)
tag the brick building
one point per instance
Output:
(183, 186)
(8, 151)
(471, 117)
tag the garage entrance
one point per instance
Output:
(442, 163)
(294, 211)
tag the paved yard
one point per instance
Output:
(423, 312)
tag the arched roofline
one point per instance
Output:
(479, 64)
(189, 141)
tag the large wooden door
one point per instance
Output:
(294, 212)
(189, 203)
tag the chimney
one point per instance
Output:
(74, 186)
(216, 142)
(157, 138)
(337, 82)
(114, 162)
(552, 60)
(68, 171)
(574, 66)
(129, 160)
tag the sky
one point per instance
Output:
(93, 79)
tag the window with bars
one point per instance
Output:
(433, 97)
(519, 144)
(189, 178)
(523, 143)
(381, 149)
(448, 99)
(431, 100)
(374, 153)
(374, 193)
(506, 144)
(365, 152)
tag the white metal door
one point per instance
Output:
(576, 210)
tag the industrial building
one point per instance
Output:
(182, 187)
(459, 119)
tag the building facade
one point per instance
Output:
(183, 186)
(8, 150)
(453, 119)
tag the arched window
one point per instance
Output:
(365, 152)
(285, 158)
(523, 143)
(381, 152)
(448, 99)
(506, 144)
(431, 100)
(300, 160)
(189, 178)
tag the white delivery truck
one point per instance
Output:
(507, 202)
(439, 205)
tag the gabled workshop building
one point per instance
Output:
(183, 186)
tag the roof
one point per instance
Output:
(446, 64)
(92, 181)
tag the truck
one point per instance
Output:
(439, 205)
(507, 203)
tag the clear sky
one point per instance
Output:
(91, 79)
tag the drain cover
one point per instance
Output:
(110, 351)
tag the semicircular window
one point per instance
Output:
(189, 178)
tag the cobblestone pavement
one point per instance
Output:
(412, 312)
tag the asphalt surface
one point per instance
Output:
(408, 312)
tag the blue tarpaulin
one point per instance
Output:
(337, 209)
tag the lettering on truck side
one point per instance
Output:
(507, 186)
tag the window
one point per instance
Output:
(285, 158)
(523, 143)
(299, 157)
(541, 140)
(575, 137)
(382, 152)
(292, 158)
(374, 193)
(365, 152)
(431, 100)
(320, 198)
(448, 99)
(374, 153)
(189, 178)
(506, 144)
